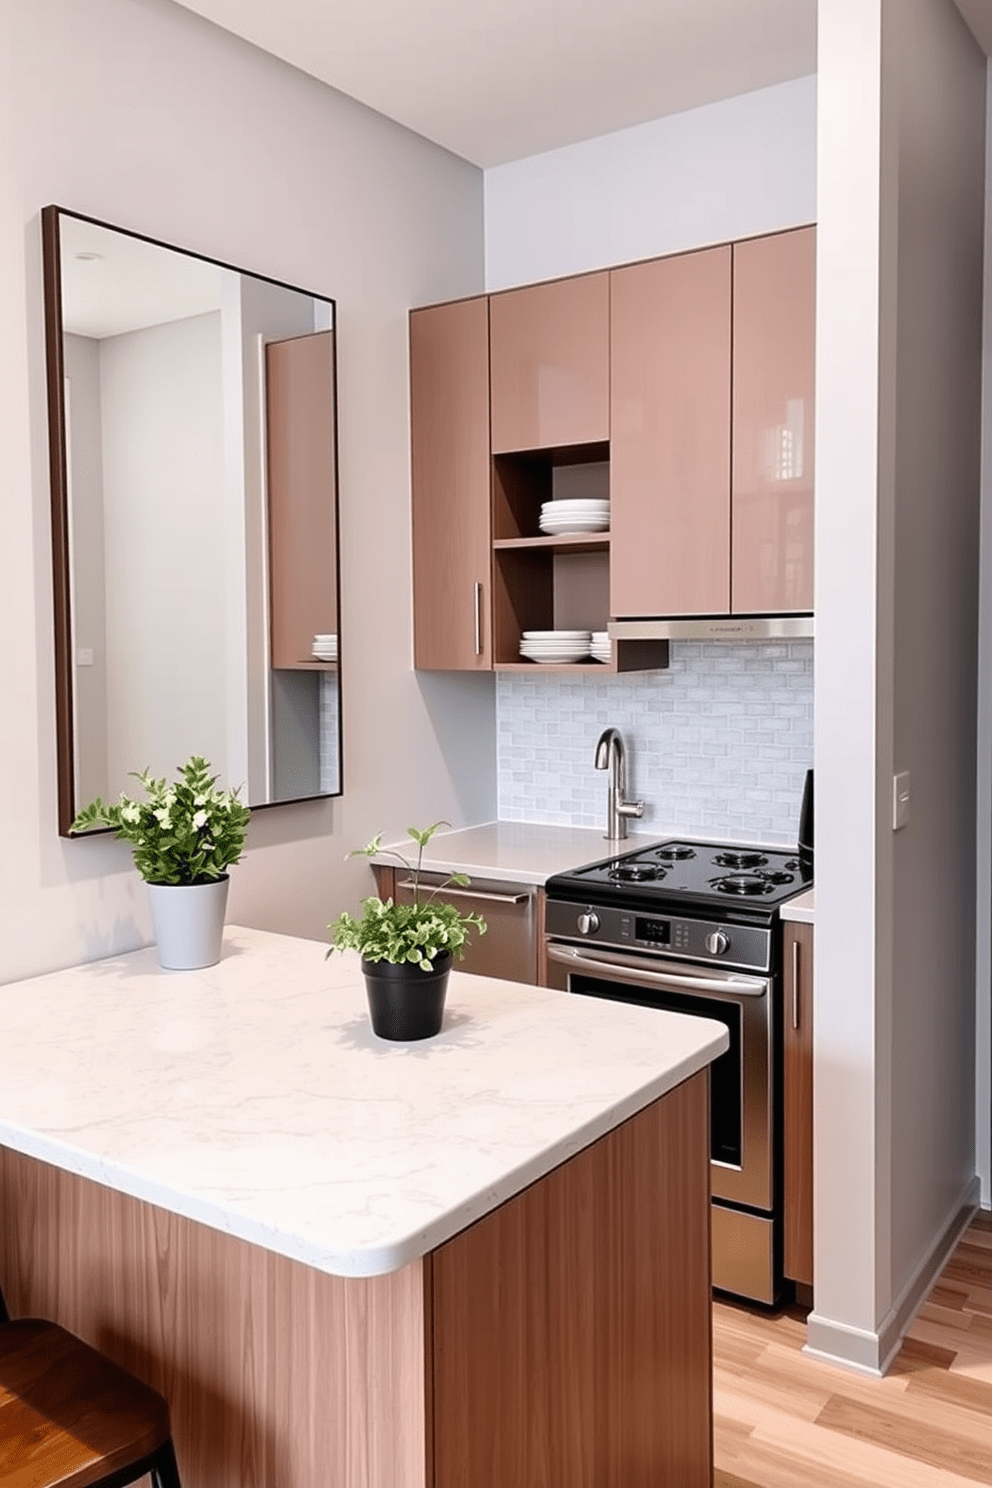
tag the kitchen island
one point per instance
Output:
(479, 1260)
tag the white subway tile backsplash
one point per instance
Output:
(716, 746)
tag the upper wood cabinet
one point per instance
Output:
(299, 379)
(772, 509)
(670, 444)
(449, 431)
(798, 1102)
(550, 361)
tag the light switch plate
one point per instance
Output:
(900, 800)
(84, 656)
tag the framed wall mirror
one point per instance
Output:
(193, 446)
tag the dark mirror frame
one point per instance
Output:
(61, 550)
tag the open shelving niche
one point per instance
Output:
(554, 583)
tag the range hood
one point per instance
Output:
(714, 628)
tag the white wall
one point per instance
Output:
(165, 541)
(901, 129)
(729, 170)
(140, 113)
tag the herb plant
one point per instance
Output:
(414, 932)
(185, 833)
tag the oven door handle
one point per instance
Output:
(636, 971)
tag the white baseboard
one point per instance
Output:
(872, 1353)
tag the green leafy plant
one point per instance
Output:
(187, 832)
(414, 932)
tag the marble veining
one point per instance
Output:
(254, 1097)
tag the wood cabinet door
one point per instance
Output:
(798, 1101)
(772, 505)
(302, 496)
(550, 362)
(670, 440)
(449, 434)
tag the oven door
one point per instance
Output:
(741, 1080)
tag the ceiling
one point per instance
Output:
(496, 80)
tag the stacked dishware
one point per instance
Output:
(324, 648)
(601, 648)
(562, 518)
(555, 646)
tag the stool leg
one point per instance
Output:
(165, 1473)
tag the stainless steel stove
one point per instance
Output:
(693, 927)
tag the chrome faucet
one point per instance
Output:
(610, 756)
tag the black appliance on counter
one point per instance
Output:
(694, 927)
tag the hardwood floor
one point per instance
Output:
(783, 1420)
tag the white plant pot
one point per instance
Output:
(189, 922)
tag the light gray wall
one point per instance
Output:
(165, 544)
(901, 100)
(84, 457)
(940, 75)
(150, 118)
(728, 170)
(983, 937)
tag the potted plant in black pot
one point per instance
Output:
(406, 949)
(185, 836)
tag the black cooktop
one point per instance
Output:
(688, 873)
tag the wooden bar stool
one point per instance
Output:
(70, 1418)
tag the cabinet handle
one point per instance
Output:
(478, 619)
(408, 883)
(795, 984)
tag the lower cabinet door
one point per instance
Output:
(798, 1102)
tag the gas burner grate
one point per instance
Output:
(636, 872)
(731, 858)
(675, 852)
(744, 885)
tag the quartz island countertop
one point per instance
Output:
(253, 1096)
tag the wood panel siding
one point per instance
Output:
(550, 361)
(773, 422)
(670, 445)
(302, 496)
(583, 1358)
(277, 1375)
(449, 440)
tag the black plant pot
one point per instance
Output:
(405, 1002)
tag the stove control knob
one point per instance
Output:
(588, 922)
(717, 943)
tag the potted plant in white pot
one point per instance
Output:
(185, 836)
(406, 949)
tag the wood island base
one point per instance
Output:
(562, 1341)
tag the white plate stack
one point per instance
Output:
(561, 518)
(551, 647)
(324, 648)
(601, 649)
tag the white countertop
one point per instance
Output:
(802, 909)
(253, 1096)
(521, 852)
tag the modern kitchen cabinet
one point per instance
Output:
(680, 388)
(550, 364)
(798, 1101)
(670, 442)
(513, 912)
(449, 435)
(299, 387)
(773, 383)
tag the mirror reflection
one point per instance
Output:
(195, 504)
